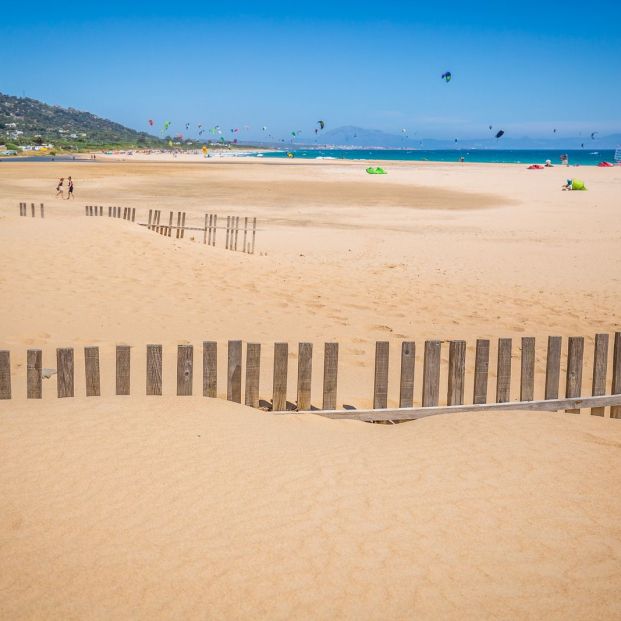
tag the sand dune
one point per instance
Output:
(169, 508)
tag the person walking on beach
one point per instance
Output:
(59, 188)
(70, 189)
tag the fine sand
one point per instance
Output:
(169, 507)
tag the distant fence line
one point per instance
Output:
(233, 226)
(23, 210)
(455, 399)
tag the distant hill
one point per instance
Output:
(351, 136)
(28, 121)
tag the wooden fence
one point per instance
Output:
(233, 229)
(455, 395)
(127, 213)
(23, 210)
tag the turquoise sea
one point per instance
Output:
(581, 157)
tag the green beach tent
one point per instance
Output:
(376, 171)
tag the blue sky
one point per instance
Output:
(527, 67)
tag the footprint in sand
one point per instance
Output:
(382, 328)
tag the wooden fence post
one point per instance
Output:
(42, 210)
(154, 369)
(254, 233)
(553, 367)
(615, 410)
(233, 381)
(380, 383)
(503, 371)
(600, 368)
(305, 371)
(406, 385)
(122, 369)
(245, 233)
(210, 369)
(110, 213)
(330, 375)
(32, 209)
(253, 369)
(178, 225)
(431, 373)
(183, 225)
(527, 369)
(209, 235)
(5, 374)
(236, 230)
(91, 371)
(215, 228)
(228, 222)
(573, 384)
(279, 392)
(456, 373)
(133, 214)
(205, 230)
(85, 210)
(170, 224)
(33, 374)
(64, 366)
(150, 218)
(185, 363)
(481, 371)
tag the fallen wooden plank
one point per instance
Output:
(551, 405)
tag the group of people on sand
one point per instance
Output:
(60, 189)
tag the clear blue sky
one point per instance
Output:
(524, 66)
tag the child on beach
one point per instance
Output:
(59, 188)
(70, 189)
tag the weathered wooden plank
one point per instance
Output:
(254, 234)
(406, 384)
(210, 369)
(330, 375)
(154, 369)
(600, 368)
(185, 368)
(34, 388)
(110, 214)
(236, 231)
(527, 370)
(553, 367)
(549, 405)
(42, 210)
(65, 371)
(5, 374)
(133, 214)
(431, 373)
(305, 371)
(245, 232)
(234, 374)
(215, 229)
(205, 231)
(615, 411)
(123, 369)
(380, 384)
(281, 363)
(150, 218)
(32, 209)
(456, 373)
(91, 371)
(253, 369)
(170, 224)
(182, 225)
(575, 353)
(178, 229)
(228, 225)
(481, 371)
(503, 371)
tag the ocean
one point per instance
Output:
(581, 157)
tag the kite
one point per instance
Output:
(404, 131)
(593, 135)
(263, 128)
(490, 128)
(500, 134)
(554, 131)
(446, 76)
(187, 126)
(322, 124)
(151, 122)
(582, 145)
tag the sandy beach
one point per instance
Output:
(135, 507)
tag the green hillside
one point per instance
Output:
(25, 121)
